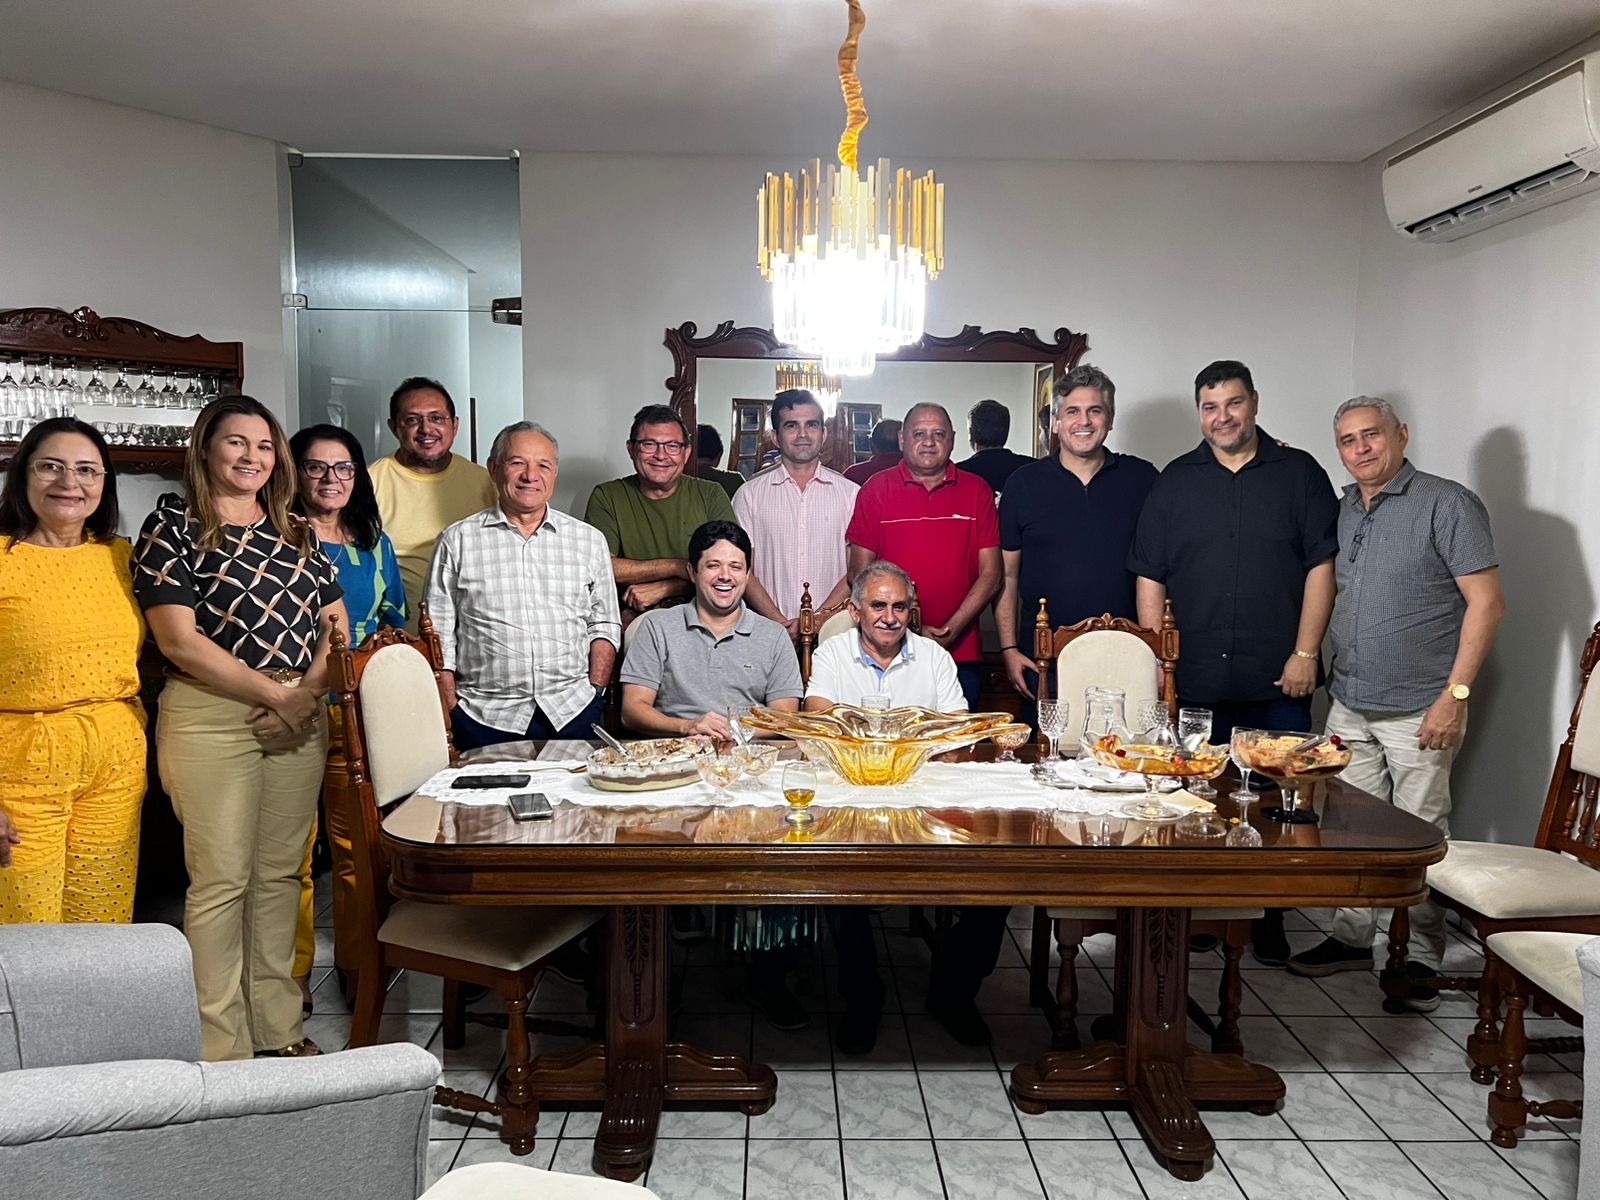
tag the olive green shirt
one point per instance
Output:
(638, 528)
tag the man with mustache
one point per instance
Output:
(881, 656)
(796, 512)
(422, 487)
(1241, 533)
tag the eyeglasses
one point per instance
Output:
(415, 420)
(48, 470)
(317, 469)
(650, 446)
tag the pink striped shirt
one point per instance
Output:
(797, 534)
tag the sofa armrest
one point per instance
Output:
(95, 993)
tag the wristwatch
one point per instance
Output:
(1459, 691)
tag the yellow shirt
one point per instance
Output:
(70, 629)
(416, 508)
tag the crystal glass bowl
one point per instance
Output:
(651, 765)
(1171, 762)
(878, 748)
(1268, 752)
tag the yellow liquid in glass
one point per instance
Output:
(799, 797)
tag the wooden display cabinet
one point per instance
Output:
(87, 340)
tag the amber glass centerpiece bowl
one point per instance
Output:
(1271, 752)
(880, 747)
(1124, 754)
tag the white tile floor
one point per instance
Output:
(1379, 1107)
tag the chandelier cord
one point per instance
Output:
(855, 107)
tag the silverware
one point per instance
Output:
(605, 736)
(1307, 744)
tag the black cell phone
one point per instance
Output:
(490, 781)
(530, 806)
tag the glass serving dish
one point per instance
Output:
(1284, 757)
(873, 748)
(653, 764)
(1154, 762)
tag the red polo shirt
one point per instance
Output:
(934, 535)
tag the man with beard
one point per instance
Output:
(422, 487)
(882, 656)
(1240, 533)
(796, 512)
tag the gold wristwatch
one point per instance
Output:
(1459, 691)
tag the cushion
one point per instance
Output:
(1549, 961)
(1586, 740)
(840, 622)
(402, 721)
(513, 1181)
(1514, 882)
(1106, 658)
(507, 938)
(1110, 914)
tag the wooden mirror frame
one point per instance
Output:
(972, 344)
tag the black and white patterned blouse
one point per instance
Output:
(254, 595)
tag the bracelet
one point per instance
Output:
(1305, 654)
(1003, 649)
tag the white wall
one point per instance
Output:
(136, 215)
(1166, 266)
(1488, 347)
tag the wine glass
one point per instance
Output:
(11, 402)
(145, 394)
(721, 771)
(95, 391)
(38, 393)
(1241, 738)
(1244, 834)
(1053, 718)
(1194, 731)
(192, 394)
(799, 789)
(170, 397)
(121, 393)
(1009, 743)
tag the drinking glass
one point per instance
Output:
(799, 789)
(1053, 718)
(1244, 834)
(95, 391)
(211, 391)
(1242, 792)
(170, 397)
(876, 704)
(737, 729)
(1151, 716)
(67, 392)
(1194, 731)
(192, 395)
(719, 770)
(1104, 715)
(121, 393)
(145, 394)
(38, 397)
(11, 402)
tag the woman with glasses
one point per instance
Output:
(72, 748)
(335, 496)
(241, 599)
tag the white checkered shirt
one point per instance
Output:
(516, 616)
(796, 537)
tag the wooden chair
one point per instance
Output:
(397, 735)
(1529, 965)
(1553, 885)
(817, 625)
(1109, 651)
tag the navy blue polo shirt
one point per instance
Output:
(1233, 549)
(1074, 538)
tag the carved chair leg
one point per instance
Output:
(1393, 979)
(1508, 1110)
(1484, 1042)
(520, 1105)
(455, 1016)
(1039, 960)
(1069, 936)
(1230, 991)
(367, 1008)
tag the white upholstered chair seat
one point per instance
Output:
(513, 1181)
(1509, 883)
(840, 622)
(402, 722)
(507, 938)
(1549, 961)
(1090, 913)
(1106, 658)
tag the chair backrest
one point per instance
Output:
(1572, 806)
(818, 624)
(840, 622)
(393, 733)
(1107, 651)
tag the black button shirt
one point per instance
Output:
(1233, 549)
(1074, 538)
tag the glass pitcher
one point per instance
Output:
(1104, 712)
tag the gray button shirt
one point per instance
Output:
(1397, 617)
(693, 672)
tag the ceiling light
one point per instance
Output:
(808, 376)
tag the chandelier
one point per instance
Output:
(849, 255)
(808, 376)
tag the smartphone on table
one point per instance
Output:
(490, 781)
(530, 806)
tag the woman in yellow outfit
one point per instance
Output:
(72, 748)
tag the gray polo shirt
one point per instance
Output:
(693, 672)
(1397, 617)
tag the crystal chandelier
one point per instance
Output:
(849, 255)
(828, 389)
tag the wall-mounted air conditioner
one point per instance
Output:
(1539, 145)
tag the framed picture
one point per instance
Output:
(1044, 380)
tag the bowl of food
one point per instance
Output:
(650, 765)
(758, 758)
(1162, 762)
(1288, 757)
(880, 747)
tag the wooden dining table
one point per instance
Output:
(637, 859)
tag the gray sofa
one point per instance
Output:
(101, 1096)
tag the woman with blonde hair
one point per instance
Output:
(72, 749)
(241, 599)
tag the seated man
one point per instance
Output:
(687, 666)
(884, 657)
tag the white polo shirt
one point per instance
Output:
(923, 675)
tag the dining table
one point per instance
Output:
(914, 844)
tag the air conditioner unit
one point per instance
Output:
(1538, 146)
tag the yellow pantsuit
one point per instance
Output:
(72, 741)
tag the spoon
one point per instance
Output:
(605, 736)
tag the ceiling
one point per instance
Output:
(1308, 80)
